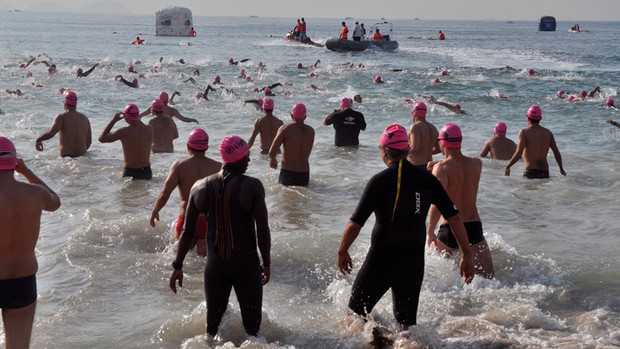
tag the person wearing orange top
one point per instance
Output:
(378, 36)
(442, 36)
(345, 31)
(192, 32)
(302, 28)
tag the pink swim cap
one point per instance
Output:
(134, 81)
(242, 72)
(231, 61)
(79, 70)
(531, 71)
(345, 102)
(436, 81)
(444, 73)
(268, 104)
(260, 101)
(260, 64)
(298, 111)
(419, 109)
(131, 112)
(217, 78)
(267, 90)
(456, 105)
(248, 78)
(450, 136)
(130, 68)
(501, 95)
(71, 99)
(313, 75)
(570, 98)
(534, 113)
(255, 89)
(157, 105)
(395, 137)
(8, 155)
(583, 93)
(378, 79)
(198, 139)
(62, 90)
(164, 97)
(199, 95)
(610, 102)
(233, 148)
(560, 93)
(500, 129)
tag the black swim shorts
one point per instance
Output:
(474, 234)
(18, 293)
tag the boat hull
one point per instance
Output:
(343, 45)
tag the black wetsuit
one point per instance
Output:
(396, 256)
(234, 263)
(348, 123)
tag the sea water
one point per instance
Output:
(103, 276)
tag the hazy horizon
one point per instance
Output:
(563, 10)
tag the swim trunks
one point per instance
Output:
(18, 293)
(536, 174)
(474, 234)
(288, 177)
(138, 173)
(201, 227)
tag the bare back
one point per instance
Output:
(164, 132)
(75, 133)
(500, 147)
(297, 140)
(423, 141)
(460, 175)
(536, 141)
(21, 205)
(190, 170)
(137, 139)
(267, 127)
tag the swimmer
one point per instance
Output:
(532, 72)
(27, 64)
(168, 110)
(357, 99)
(460, 176)
(51, 68)
(217, 80)
(561, 94)
(296, 140)
(138, 41)
(265, 126)
(133, 83)
(610, 103)
(378, 80)
(164, 129)
(500, 146)
(455, 108)
(21, 206)
(534, 144)
(347, 123)
(242, 74)
(196, 72)
(258, 103)
(312, 66)
(83, 74)
(183, 174)
(182, 61)
(16, 92)
(233, 62)
(73, 128)
(422, 137)
(190, 79)
(136, 140)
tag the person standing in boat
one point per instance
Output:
(302, 28)
(345, 31)
(363, 30)
(357, 32)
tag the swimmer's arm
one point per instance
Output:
(51, 132)
(172, 181)
(106, 136)
(413, 140)
(434, 214)
(486, 149)
(263, 234)
(254, 134)
(146, 112)
(51, 201)
(351, 231)
(328, 119)
(195, 206)
(613, 123)
(275, 145)
(467, 259)
(362, 123)
(444, 104)
(183, 118)
(518, 153)
(557, 155)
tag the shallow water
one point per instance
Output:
(103, 278)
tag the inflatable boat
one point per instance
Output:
(385, 44)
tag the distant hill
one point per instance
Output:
(47, 7)
(105, 7)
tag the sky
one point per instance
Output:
(573, 10)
